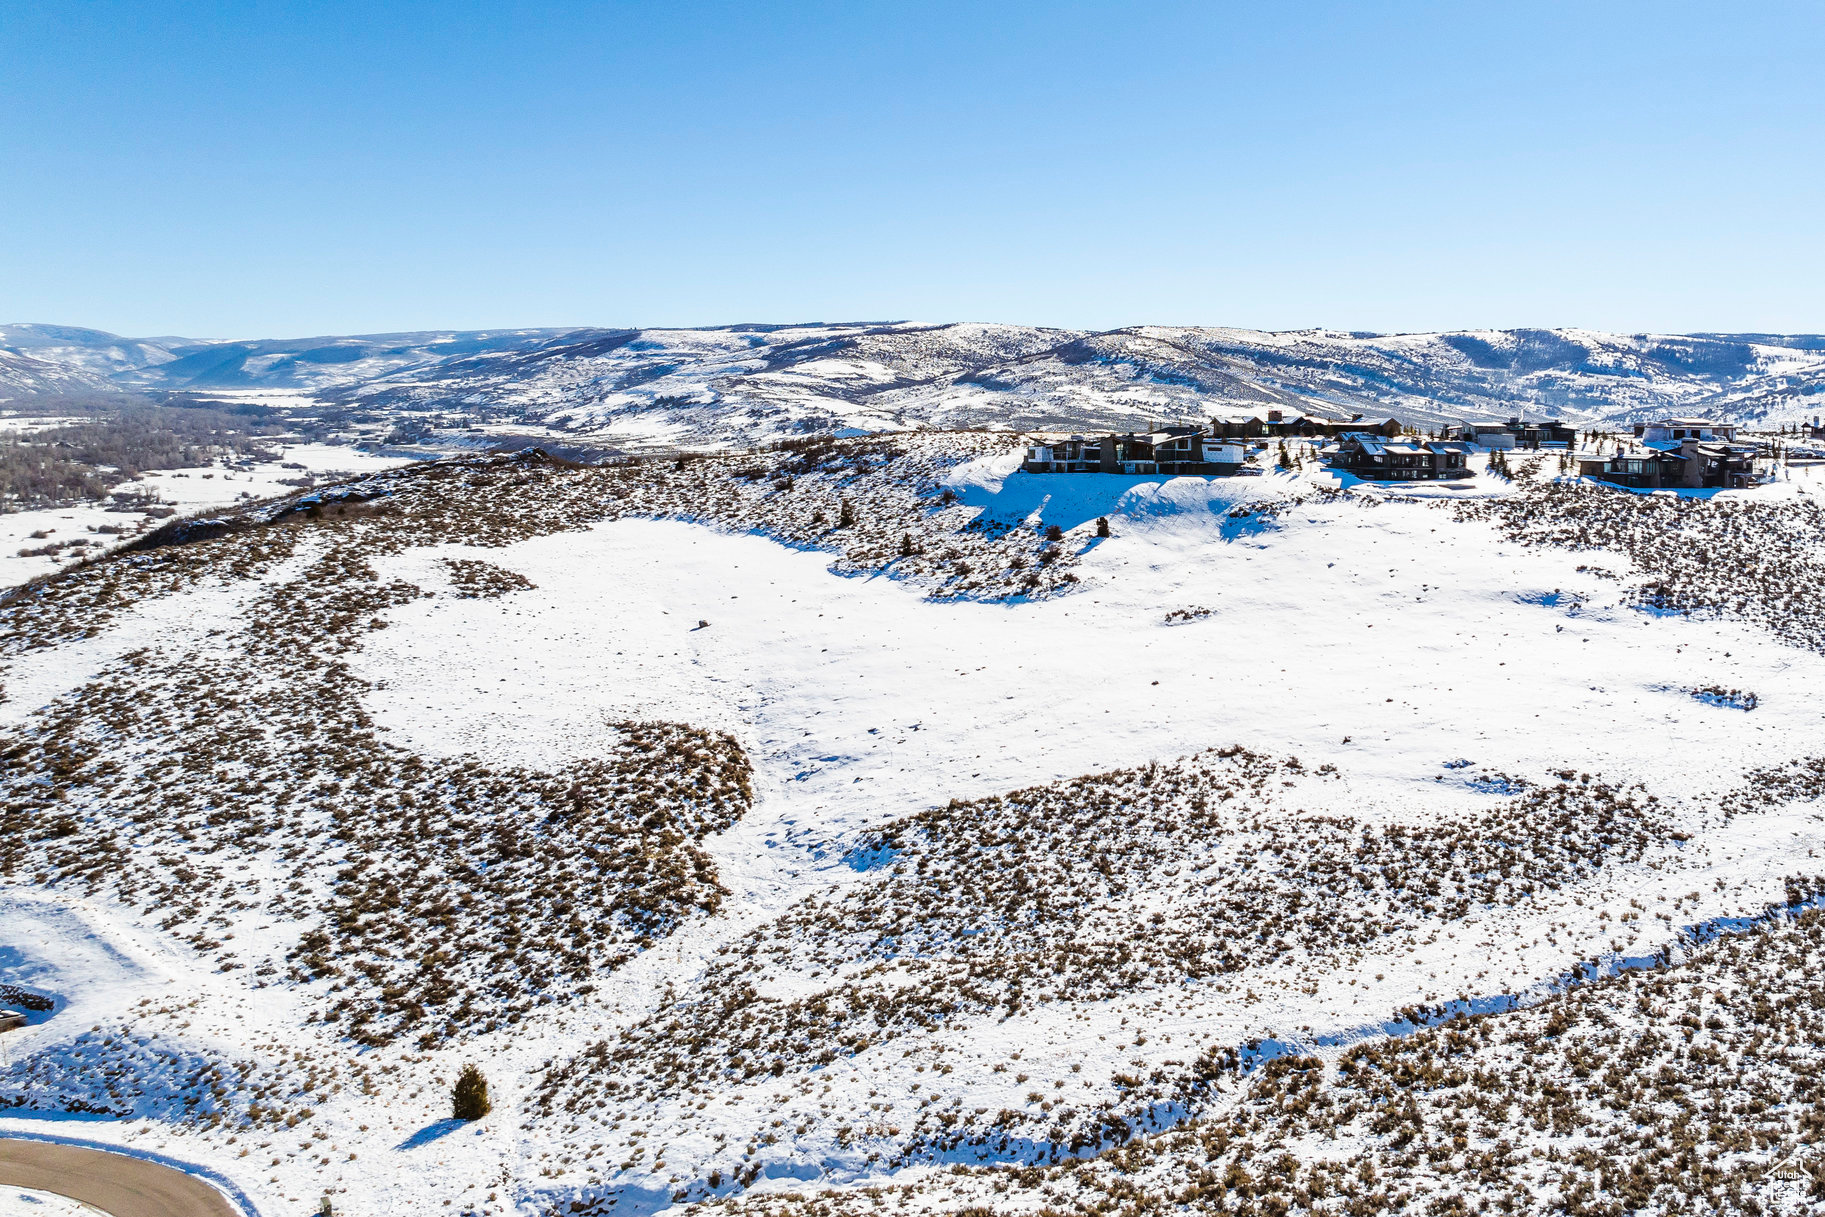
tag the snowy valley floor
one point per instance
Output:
(1352, 758)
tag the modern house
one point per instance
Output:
(1169, 450)
(1280, 424)
(1690, 463)
(1276, 423)
(1483, 435)
(1515, 433)
(1379, 458)
(1536, 435)
(1074, 455)
(1677, 430)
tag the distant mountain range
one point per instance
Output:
(744, 383)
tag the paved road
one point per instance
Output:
(114, 1183)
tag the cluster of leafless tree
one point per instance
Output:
(82, 452)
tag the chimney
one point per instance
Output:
(1274, 416)
(1693, 475)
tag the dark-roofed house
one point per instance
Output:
(1686, 464)
(1533, 435)
(1388, 427)
(1400, 459)
(1174, 451)
(1272, 424)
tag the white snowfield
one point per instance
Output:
(1369, 631)
(30, 1202)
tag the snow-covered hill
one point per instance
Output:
(739, 385)
(96, 352)
(25, 375)
(708, 387)
(818, 831)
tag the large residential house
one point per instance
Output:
(1535, 435)
(1484, 435)
(1515, 433)
(1683, 453)
(1378, 458)
(1168, 450)
(1279, 424)
(1677, 430)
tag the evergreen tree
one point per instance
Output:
(1102, 526)
(470, 1098)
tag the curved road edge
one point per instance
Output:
(233, 1201)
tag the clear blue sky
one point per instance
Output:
(265, 169)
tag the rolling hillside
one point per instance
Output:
(738, 385)
(818, 831)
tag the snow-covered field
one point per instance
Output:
(30, 1202)
(1422, 669)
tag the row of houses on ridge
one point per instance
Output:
(1674, 452)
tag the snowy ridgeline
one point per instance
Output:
(852, 815)
(642, 388)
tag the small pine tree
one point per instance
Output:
(470, 1098)
(1054, 533)
(906, 546)
(1102, 526)
(846, 515)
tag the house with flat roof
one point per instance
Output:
(1173, 451)
(1272, 424)
(1677, 430)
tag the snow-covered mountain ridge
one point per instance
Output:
(738, 385)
